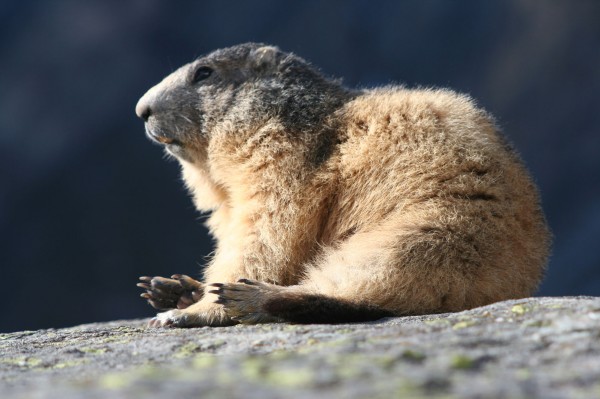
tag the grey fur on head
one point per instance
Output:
(250, 85)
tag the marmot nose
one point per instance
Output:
(143, 111)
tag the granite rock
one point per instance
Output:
(528, 348)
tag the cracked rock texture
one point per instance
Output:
(529, 348)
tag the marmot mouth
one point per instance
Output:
(161, 139)
(164, 140)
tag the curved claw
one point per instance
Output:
(247, 281)
(178, 292)
(144, 286)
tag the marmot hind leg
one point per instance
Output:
(177, 292)
(391, 271)
(251, 302)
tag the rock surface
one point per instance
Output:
(533, 348)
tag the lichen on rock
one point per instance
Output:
(535, 347)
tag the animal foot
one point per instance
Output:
(177, 292)
(172, 318)
(244, 301)
(200, 314)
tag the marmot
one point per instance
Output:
(331, 205)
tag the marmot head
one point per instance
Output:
(236, 91)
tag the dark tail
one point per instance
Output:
(320, 309)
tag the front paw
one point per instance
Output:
(243, 301)
(177, 292)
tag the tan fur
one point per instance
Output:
(420, 207)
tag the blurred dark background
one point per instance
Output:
(87, 203)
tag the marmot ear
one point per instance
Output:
(265, 57)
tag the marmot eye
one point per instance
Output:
(201, 73)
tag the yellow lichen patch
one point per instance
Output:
(347, 365)
(19, 334)
(463, 324)
(523, 374)
(115, 380)
(348, 371)
(187, 350)
(316, 345)
(537, 323)
(148, 372)
(437, 322)
(70, 363)
(407, 389)
(386, 362)
(254, 368)
(192, 348)
(519, 309)
(116, 339)
(344, 331)
(203, 361)
(462, 362)
(260, 369)
(290, 378)
(94, 351)
(23, 361)
(280, 354)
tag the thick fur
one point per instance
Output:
(393, 200)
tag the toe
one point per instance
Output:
(197, 295)
(166, 319)
(229, 292)
(247, 281)
(158, 301)
(188, 283)
(184, 302)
